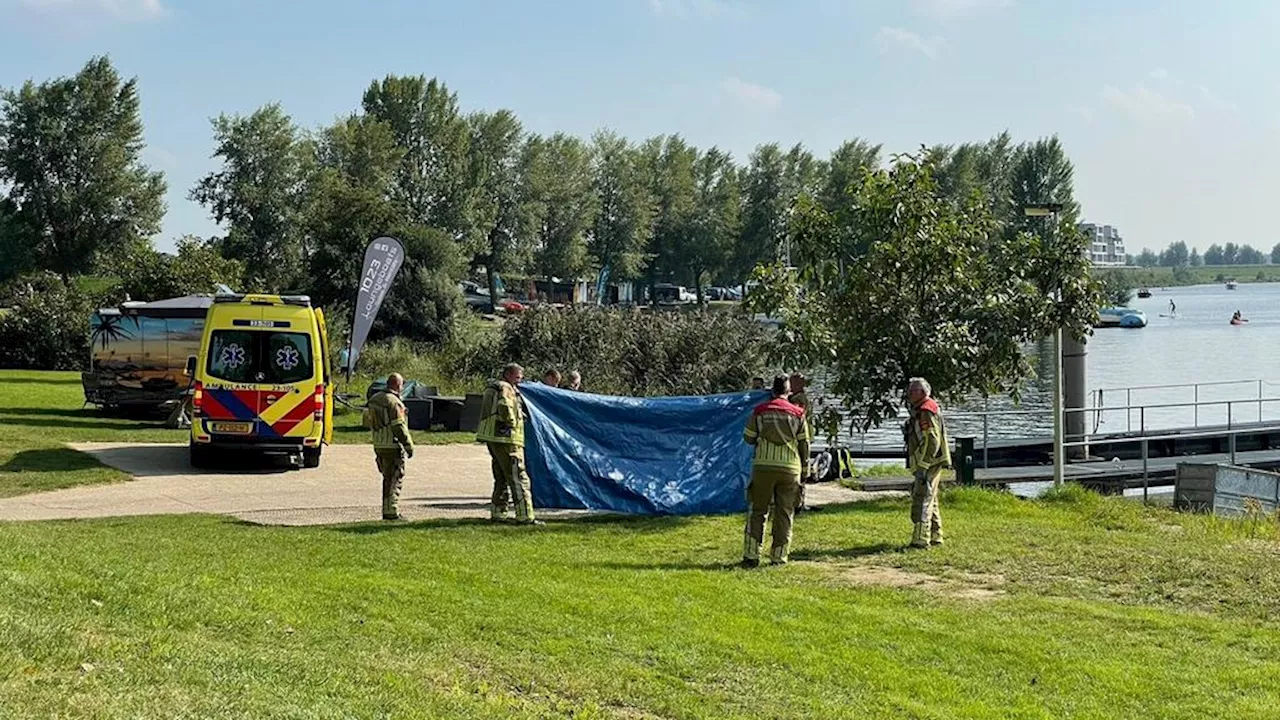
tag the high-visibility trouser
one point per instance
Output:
(510, 480)
(924, 499)
(391, 465)
(781, 488)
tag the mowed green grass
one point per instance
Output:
(41, 411)
(1078, 607)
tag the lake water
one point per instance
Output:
(1197, 345)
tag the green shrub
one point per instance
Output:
(637, 352)
(47, 326)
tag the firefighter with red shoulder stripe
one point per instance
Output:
(780, 435)
(928, 455)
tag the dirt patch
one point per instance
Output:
(963, 586)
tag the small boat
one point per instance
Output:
(1231, 284)
(1121, 317)
(1144, 293)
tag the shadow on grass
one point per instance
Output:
(50, 460)
(89, 424)
(853, 552)
(42, 381)
(670, 566)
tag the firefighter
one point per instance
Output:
(928, 454)
(502, 416)
(780, 435)
(387, 419)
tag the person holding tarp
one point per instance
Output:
(502, 416)
(778, 431)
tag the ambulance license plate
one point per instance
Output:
(234, 428)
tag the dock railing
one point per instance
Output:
(1231, 434)
(1129, 409)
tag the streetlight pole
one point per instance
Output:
(1051, 211)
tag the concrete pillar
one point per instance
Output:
(1075, 391)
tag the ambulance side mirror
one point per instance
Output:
(191, 366)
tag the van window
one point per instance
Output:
(257, 356)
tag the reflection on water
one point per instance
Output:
(1198, 345)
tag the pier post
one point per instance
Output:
(1075, 388)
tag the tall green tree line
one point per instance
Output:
(471, 194)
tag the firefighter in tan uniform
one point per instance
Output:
(387, 418)
(800, 399)
(502, 417)
(780, 435)
(928, 454)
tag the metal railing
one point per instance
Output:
(1195, 389)
(1146, 440)
(1142, 410)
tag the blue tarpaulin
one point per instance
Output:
(644, 456)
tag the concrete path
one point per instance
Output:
(449, 481)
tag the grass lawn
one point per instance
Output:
(1076, 606)
(39, 411)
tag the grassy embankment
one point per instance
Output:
(40, 411)
(1203, 275)
(1077, 606)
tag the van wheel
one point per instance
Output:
(311, 457)
(199, 456)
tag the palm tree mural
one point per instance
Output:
(107, 329)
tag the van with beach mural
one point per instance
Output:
(138, 352)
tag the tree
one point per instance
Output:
(1195, 259)
(196, 268)
(845, 167)
(1249, 255)
(258, 195)
(965, 334)
(501, 216)
(1117, 290)
(623, 224)
(714, 225)
(433, 182)
(765, 205)
(1215, 255)
(558, 181)
(670, 165)
(350, 199)
(70, 154)
(1040, 173)
(1229, 254)
(985, 168)
(1275, 254)
(1147, 258)
(1175, 255)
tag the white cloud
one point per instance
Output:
(952, 8)
(757, 97)
(891, 38)
(1145, 103)
(128, 10)
(1160, 74)
(687, 8)
(1215, 103)
(1083, 112)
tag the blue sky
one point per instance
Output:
(1168, 109)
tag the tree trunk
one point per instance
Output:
(697, 288)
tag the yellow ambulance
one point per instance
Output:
(263, 381)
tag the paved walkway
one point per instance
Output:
(448, 481)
